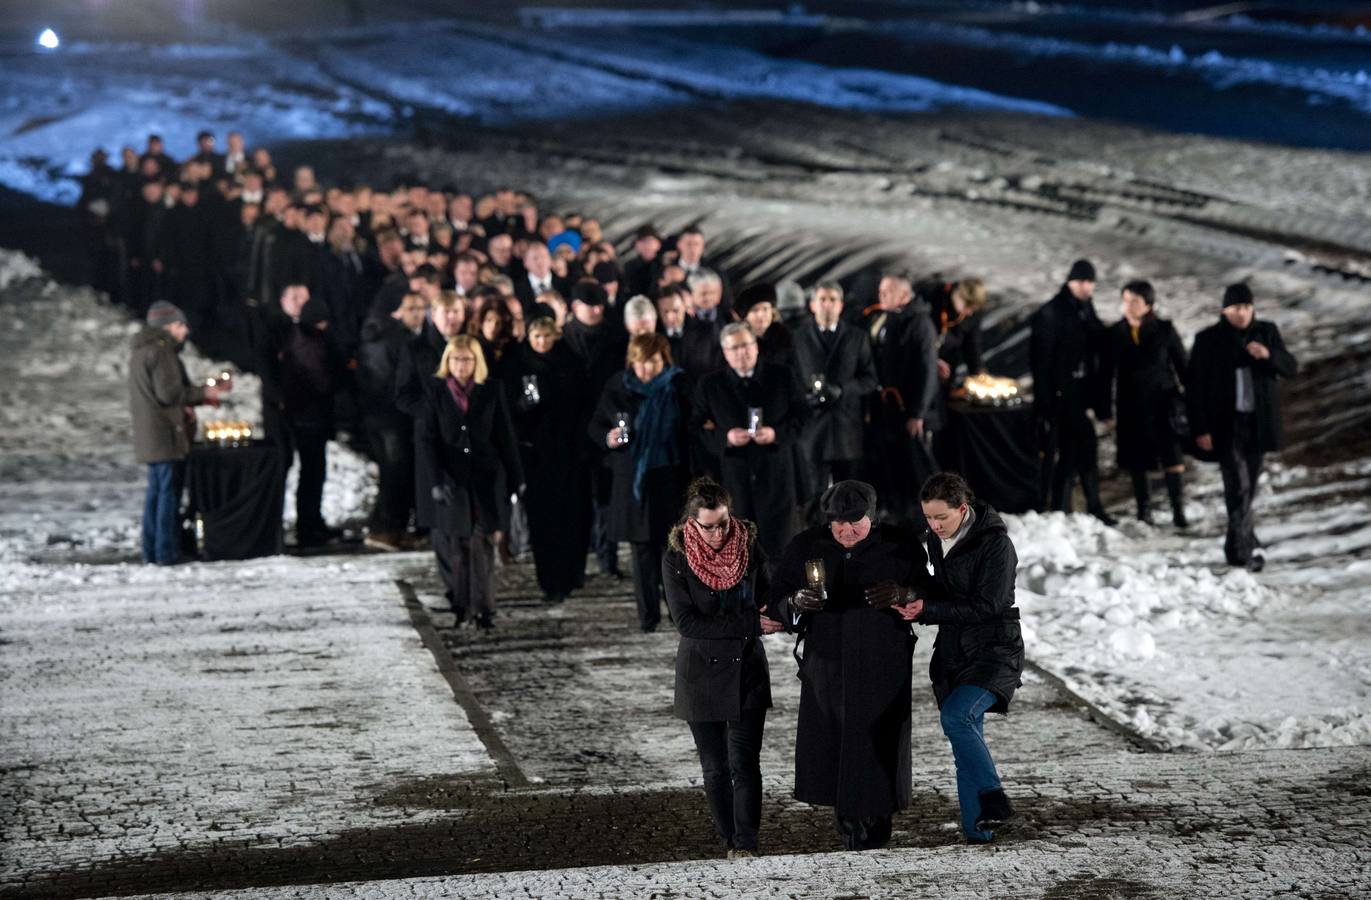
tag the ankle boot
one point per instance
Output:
(1090, 485)
(1174, 485)
(1142, 493)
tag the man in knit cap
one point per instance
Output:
(1234, 406)
(161, 399)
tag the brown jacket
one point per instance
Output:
(159, 392)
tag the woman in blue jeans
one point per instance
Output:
(978, 655)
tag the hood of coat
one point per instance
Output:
(987, 522)
(150, 336)
(676, 540)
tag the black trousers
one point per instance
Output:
(392, 447)
(647, 583)
(730, 761)
(1241, 465)
(606, 548)
(311, 447)
(1071, 451)
(467, 567)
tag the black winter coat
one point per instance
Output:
(906, 355)
(300, 371)
(852, 749)
(1145, 376)
(972, 603)
(721, 666)
(761, 479)
(1063, 352)
(701, 354)
(834, 430)
(1211, 386)
(649, 518)
(468, 453)
(418, 362)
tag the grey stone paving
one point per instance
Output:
(294, 738)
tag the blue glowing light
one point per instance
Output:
(49, 40)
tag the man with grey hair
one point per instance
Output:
(707, 289)
(757, 413)
(640, 316)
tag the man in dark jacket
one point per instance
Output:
(160, 399)
(905, 351)
(1234, 406)
(839, 587)
(758, 414)
(838, 371)
(299, 372)
(185, 255)
(143, 244)
(1064, 356)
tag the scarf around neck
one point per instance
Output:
(719, 569)
(654, 441)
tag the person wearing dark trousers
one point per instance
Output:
(161, 399)
(841, 587)
(905, 350)
(544, 383)
(978, 655)
(833, 359)
(641, 421)
(758, 413)
(1143, 363)
(466, 434)
(1064, 344)
(1234, 405)
(299, 374)
(715, 576)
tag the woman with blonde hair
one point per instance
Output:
(467, 438)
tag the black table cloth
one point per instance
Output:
(238, 494)
(995, 449)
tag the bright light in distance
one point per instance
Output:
(49, 40)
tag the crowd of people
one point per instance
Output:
(772, 468)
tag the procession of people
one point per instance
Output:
(509, 372)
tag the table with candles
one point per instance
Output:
(989, 439)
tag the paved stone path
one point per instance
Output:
(280, 728)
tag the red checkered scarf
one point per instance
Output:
(719, 569)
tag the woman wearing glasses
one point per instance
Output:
(715, 575)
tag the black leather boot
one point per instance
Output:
(1174, 489)
(1090, 485)
(1142, 493)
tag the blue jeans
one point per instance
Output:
(963, 721)
(162, 513)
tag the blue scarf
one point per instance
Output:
(654, 438)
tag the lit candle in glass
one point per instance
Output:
(816, 576)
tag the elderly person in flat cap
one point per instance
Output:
(842, 588)
(161, 398)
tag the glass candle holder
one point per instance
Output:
(621, 421)
(754, 419)
(816, 576)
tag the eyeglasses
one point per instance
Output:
(710, 529)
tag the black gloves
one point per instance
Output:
(885, 594)
(807, 600)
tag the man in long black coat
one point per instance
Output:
(852, 749)
(756, 461)
(1234, 406)
(834, 361)
(1063, 352)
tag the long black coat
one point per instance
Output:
(852, 749)
(834, 431)
(972, 603)
(1210, 383)
(468, 452)
(905, 350)
(721, 667)
(413, 370)
(1145, 376)
(701, 352)
(761, 479)
(650, 518)
(1063, 353)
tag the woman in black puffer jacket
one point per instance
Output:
(978, 655)
(715, 575)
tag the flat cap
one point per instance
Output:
(848, 501)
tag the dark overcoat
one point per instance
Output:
(468, 453)
(721, 666)
(972, 603)
(1141, 378)
(761, 479)
(159, 392)
(834, 430)
(649, 518)
(1063, 349)
(1211, 388)
(852, 749)
(419, 359)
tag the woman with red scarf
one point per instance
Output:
(715, 576)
